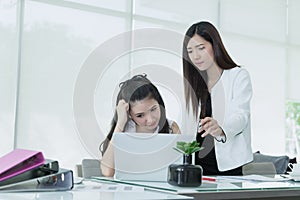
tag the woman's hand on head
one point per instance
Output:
(210, 126)
(122, 112)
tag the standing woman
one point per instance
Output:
(218, 94)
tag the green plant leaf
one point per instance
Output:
(179, 150)
(187, 148)
(197, 149)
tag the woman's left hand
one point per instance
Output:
(210, 126)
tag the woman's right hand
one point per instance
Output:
(122, 112)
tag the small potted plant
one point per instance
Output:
(186, 174)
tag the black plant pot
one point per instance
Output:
(185, 175)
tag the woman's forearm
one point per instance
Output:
(107, 162)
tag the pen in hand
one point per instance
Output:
(199, 127)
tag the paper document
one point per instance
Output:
(253, 177)
(101, 187)
(290, 177)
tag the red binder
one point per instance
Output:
(19, 161)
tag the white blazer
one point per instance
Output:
(230, 99)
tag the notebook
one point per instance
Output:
(146, 157)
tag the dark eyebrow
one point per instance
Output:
(154, 106)
(198, 45)
(136, 114)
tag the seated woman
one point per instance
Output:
(139, 108)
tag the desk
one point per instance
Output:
(224, 189)
(90, 191)
(236, 190)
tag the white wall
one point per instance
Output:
(55, 48)
(73, 54)
(257, 42)
(293, 51)
(8, 73)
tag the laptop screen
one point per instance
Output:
(146, 157)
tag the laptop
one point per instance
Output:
(146, 156)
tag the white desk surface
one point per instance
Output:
(238, 187)
(92, 191)
(110, 190)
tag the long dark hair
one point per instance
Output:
(195, 81)
(136, 89)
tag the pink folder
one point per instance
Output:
(19, 161)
